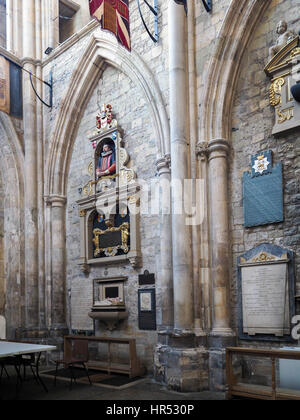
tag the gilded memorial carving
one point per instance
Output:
(284, 59)
(112, 250)
(275, 91)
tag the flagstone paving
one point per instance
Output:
(145, 391)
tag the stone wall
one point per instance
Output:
(11, 232)
(2, 277)
(132, 114)
(253, 120)
(134, 117)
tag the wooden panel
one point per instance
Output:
(259, 391)
(133, 368)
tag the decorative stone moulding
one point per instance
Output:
(110, 318)
(92, 250)
(283, 69)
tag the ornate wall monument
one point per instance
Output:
(109, 207)
(283, 70)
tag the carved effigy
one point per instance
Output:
(284, 38)
(108, 229)
(284, 61)
(110, 157)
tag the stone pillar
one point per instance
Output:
(181, 233)
(40, 167)
(179, 360)
(58, 261)
(9, 26)
(165, 270)
(31, 211)
(54, 23)
(220, 245)
(204, 256)
(17, 28)
(221, 335)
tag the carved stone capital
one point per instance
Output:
(163, 165)
(82, 213)
(218, 148)
(85, 268)
(202, 150)
(55, 200)
(135, 261)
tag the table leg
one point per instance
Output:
(37, 365)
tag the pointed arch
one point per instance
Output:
(223, 70)
(100, 50)
(12, 174)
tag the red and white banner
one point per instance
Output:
(114, 17)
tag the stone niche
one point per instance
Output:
(109, 306)
(284, 71)
(109, 207)
(266, 287)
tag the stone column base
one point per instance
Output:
(217, 359)
(180, 364)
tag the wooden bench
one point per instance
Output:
(132, 368)
(272, 392)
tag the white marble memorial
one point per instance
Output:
(266, 286)
(265, 299)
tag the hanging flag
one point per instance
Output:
(11, 100)
(4, 86)
(114, 17)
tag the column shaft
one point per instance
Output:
(58, 256)
(165, 269)
(31, 210)
(9, 26)
(219, 235)
(204, 255)
(181, 233)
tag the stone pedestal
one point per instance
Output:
(217, 344)
(180, 363)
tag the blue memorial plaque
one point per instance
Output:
(263, 192)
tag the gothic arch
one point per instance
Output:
(12, 175)
(100, 50)
(222, 75)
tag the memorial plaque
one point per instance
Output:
(266, 293)
(265, 299)
(263, 191)
(147, 309)
(146, 278)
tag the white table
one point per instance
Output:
(8, 349)
(12, 349)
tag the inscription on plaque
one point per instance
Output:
(265, 299)
(266, 290)
(263, 191)
(147, 309)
